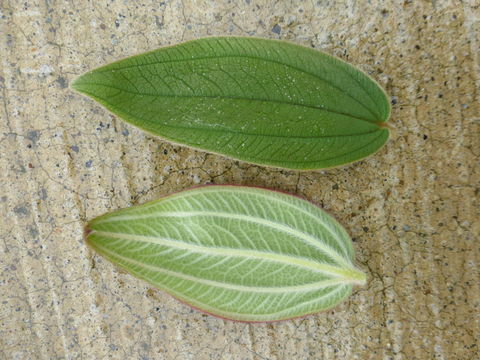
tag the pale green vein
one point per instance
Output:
(272, 196)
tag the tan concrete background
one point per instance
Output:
(412, 209)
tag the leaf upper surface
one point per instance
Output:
(262, 101)
(236, 252)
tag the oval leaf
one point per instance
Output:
(263, 101)
(236, 252)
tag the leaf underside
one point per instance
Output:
(236, 252)
(262, 101)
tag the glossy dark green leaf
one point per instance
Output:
(263, 101)
(236, 252)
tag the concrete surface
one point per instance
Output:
(412, 209)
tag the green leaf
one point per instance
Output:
(262, 101)
(236, 252)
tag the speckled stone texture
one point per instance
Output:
(412, 208)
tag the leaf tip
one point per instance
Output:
(74, 85)
(78, 84)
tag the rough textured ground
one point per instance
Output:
(412, 209)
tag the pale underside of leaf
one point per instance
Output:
(262, 101)
(241, 253)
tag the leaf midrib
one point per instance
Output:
(308, 264)
(318, 108)
(308, 238)
(263, 59)
(105, 102)
(228, 286)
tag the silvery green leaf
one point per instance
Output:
(236, 252)
(262, 101)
